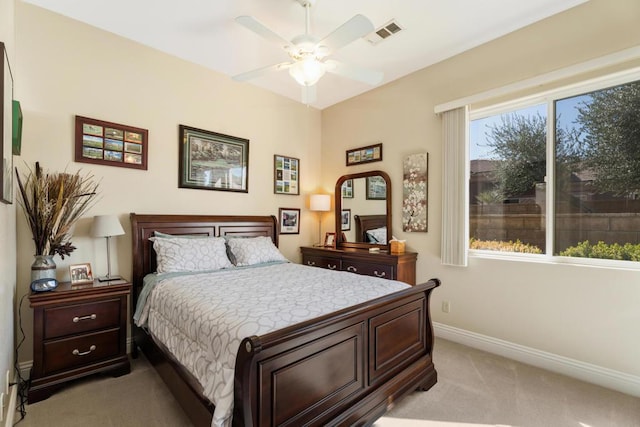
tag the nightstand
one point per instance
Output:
(78, 330)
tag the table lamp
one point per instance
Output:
(107, 226)
(320, 203)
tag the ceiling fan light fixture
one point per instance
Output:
(307, 71)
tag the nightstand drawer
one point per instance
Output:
(384, 271)
(77, 351)
(74, 319)
(322, 262)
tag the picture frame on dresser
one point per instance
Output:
(329, 239)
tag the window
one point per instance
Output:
(565, 186)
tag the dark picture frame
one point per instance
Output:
(329, 239)
(286, 175)
(345, 220)
(213, 161)
(289, 220)
(110, 144)
(376, 188)
(368, 154)
(6, 132)
(347, 189)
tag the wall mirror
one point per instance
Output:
(363, 210)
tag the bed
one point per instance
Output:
(343, 368)
(369, 223)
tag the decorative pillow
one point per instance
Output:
(377, 235)
(190, 254)
(189, 236)
(254, 250)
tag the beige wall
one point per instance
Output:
(7, 231)
(66, 68)
(584, 313)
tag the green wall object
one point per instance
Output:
(17, 128)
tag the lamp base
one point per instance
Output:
(109, 278)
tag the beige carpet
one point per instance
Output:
(474, 389)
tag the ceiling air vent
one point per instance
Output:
(387, 30)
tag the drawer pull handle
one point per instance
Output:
(311, 263)
(383, 274)
(332, 267)
(77, 319)
(77, 352)
(352, 269)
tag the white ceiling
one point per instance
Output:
(204, 32)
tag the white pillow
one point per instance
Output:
(254, 250)
(190, 254)
(377, 235)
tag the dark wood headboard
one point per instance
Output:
(144, 226)
(367, 222)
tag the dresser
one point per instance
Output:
(360, 261)
(78, 330)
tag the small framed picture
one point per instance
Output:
(286, 175)
(370, 153)
(81, 273)
(376, 188)
(347, 189)
(329, 240)
(346, 219)
(289, 219)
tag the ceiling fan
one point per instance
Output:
(309, 55)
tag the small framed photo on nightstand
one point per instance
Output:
(81, 273)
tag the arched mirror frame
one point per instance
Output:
(338, 210)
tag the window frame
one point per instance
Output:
(547, 97)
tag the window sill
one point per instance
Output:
(556, 260)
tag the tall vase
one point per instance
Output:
(43, 267)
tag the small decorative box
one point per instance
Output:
(396, 246)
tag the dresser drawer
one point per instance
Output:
(75, 319)
(384, 271)
(322, 262)
(81, 350)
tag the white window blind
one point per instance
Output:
(454, 191)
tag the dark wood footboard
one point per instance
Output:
(343, 369)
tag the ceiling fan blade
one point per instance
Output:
(309, 94)
(243, 77)
(360, 74)
(353, 29)
(257, 27)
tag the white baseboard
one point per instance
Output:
(11, 407)
(615, 380)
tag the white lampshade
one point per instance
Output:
(320, 202)
(106, 226)
(308, 71)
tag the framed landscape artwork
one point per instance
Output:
(213, 161)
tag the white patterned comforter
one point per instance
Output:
(203, 317)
